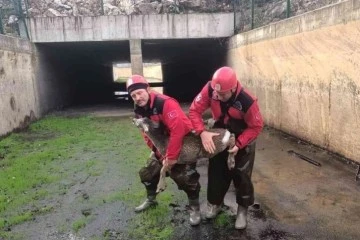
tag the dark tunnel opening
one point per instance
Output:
(81, 73)
(186, 64)
(82, 70)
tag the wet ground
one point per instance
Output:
(294, 198)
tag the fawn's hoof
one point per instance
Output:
(160, 187)
(231, 162)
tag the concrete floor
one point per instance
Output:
(297, 197)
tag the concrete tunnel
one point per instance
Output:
(85, 69)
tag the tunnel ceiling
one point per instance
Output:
(177, 50)
(165, 51)
(90, 52)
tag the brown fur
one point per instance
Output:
(192, 148)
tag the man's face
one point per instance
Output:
(224, 96)
(140, 97)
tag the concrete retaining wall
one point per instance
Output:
(18, 95)
(305, 72)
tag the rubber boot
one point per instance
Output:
(149, 202)
(212, 211)
(194, 210)
(241, 220)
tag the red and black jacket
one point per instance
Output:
(166, 110)
(240, 115)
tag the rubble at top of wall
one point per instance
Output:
(52, 8)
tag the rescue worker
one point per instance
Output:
(168, 113)
(235, 109)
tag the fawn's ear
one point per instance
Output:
(138, 121)
(134, 121)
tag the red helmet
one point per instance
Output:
(136, 82)
(224, 79)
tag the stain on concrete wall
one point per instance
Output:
(12, 103)
(308, 84)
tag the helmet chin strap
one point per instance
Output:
(233, 93)
(232, 98)
(147, 106)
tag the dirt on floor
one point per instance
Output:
(295, 199)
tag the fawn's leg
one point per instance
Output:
(162, 183)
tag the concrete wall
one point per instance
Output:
(107, 28)
(18, 97)
(305, 72)
(54, 84)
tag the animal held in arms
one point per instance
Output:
(192, 148)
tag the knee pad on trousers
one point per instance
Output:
(150, 172)
(187, 179)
